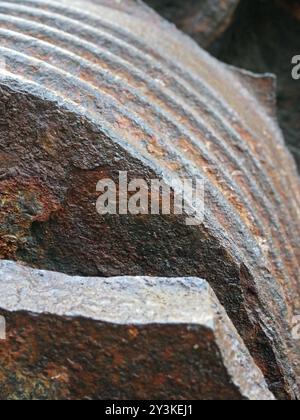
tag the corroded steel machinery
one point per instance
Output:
(88, 89)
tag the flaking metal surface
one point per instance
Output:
(119, 338)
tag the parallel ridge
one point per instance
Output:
(176, 118)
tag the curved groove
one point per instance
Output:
(143, 102)
(215, 195)
(76, 14)
(94, 117)
(87, 87)
(286, 188)
(181, 130)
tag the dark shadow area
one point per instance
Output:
(264, 37)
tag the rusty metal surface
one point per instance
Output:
(90, 90)
(204, 20)
(116, 338)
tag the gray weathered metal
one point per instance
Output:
(116, 338)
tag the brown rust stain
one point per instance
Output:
(48, 357)
(22, 202)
